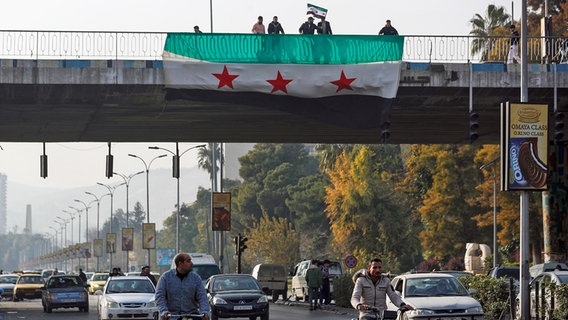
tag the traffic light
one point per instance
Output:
(473, 126)
(558, 127)
(237, 244)
(242, 243)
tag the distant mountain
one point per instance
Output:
(47, 203)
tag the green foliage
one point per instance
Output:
(493, 294)
(561, 310)
(342, 290)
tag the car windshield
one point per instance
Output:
(206, 271)
(64, 282)
(563, 278)
(335, 268)
(126, 285)
(26, 279)
(434, 286)
(100, 277)
(9, 279)
(507, 273)
(235, 283)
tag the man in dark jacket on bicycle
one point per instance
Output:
(371, 290)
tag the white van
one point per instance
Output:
(203, 264)
(274, 277)
(299, 286)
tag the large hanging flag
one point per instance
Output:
(344, 80)
(318, 12)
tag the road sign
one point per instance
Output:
(350, 262)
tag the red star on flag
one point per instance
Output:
(343, 82)
(279, 84)
(225, 79)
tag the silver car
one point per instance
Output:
(127, 297)
(435, 295)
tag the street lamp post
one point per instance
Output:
(72, 217)
(78, 211)
(176, 173)
(147, 166)
(98, 200)
(494, 171)
(63, 223)
(86, 228)
(127, 183)
(111, 192)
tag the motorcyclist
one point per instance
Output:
(371, 289)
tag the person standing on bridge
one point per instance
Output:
(275, 27)
(388, 30)
(258, 27)
(196, 29)
(324, 27)
(514, 42)
(308, 27)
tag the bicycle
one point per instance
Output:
(382, 314)
(186, 316)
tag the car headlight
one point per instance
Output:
(151, 304)
(111, 303)
(420, 312)
(218, 300)
(262, 299)
(477, 309)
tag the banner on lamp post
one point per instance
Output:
(148, 235)
(98, 247)
(127, 239)
(111, 242)
(524, 146)
(221, 215)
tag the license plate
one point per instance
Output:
(67, 300)
(243, 307)
(133, 311)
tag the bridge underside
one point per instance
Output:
(141, 113)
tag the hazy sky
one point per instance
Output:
(82, 164)
(410, 17)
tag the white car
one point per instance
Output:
(435, 295)
(127, 297)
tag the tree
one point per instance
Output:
(485, 26)
(367, 216)
(446, 175)
(272, 240)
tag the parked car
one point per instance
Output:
(508, 272)
(543, 279)
(546, 267)
(28, 286)
(65, 291)
(236, 296)
(97, 282)
(299, 286)
(272, 276)
(127, 297)
(7, 284)
(435, 295)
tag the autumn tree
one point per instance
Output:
(368, 217)
(272, 240)
(446, 177)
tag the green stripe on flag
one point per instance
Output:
(284, 49)
(316, 11)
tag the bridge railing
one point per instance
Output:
(148, 46)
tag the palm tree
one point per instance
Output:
(484, 27)
(205, 158)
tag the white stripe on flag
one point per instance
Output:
(308, 81)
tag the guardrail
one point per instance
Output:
(144, 45)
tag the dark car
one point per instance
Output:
(236, 295)
(65, 291)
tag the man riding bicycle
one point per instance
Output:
(370, 291)
(180, 291)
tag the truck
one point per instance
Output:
(203, 264)
(274, 277)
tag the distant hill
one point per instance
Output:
(47, 203)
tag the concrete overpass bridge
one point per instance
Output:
(109, 87)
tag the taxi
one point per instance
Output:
(97, 282)
(28, 286)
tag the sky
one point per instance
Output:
(82, 164)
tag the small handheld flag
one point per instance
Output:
(318, 12)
